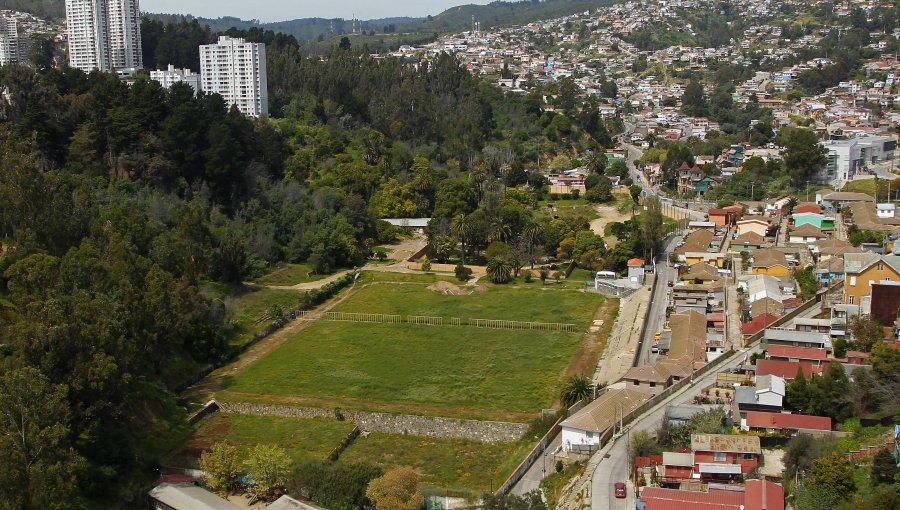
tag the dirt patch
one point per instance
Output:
(595, 340)
(450, 289)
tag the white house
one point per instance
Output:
(581, 432)
(760, 286)
(806, 234)
(886, 210)
(770, 390)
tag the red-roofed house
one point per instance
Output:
(778, 422)
(857, 357)
(806, 354)
(807, 208)
(756, 495)
(786, 369)
(759, 323)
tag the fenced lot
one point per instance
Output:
(376, 353)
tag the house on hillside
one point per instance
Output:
(863, 269)
(582, 431)
(806, 234)
(724, 457)
(770, 262)
(817, 220)
(756, 225)
(750, 241)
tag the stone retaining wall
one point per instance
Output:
(429, 426)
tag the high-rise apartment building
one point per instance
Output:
(104, 34)
(171, 76)
(9, 41)
(236, 70)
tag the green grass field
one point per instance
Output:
(290, 274)
(303, 439)
(442, 370)
(249, 304)
(453, 464)
(536, 302)
(439, 370)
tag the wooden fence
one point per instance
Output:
(425, 320)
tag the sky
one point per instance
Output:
(282, 10)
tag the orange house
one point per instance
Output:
(861, 270)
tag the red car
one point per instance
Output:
(620, 490)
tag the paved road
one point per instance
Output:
(532, 479)
(656, 318)
(615, 465)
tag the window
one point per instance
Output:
(881, 266)
(852, 299)
(590, 435)
(720, 457)
(853, 281)
(748, 456)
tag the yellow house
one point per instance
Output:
(770, 262)
(756, 225)
(861, 270)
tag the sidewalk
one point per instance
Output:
(623, 339)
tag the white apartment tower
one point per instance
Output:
(9, 41)
(171, 76)
(104, 34)
(236, 70)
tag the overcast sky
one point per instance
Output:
(281, 10)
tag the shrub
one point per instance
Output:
(463, 273)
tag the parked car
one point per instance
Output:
(620, 490)
(671, 283)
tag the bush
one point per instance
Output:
(463, 273)
(528, 275)
(559, 466)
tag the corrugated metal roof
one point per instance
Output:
(725, 443)
(758, 419)
(190, 497)
(719, 469)
(678, 459)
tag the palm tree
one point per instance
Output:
(533, 232)
(499, 270)
(499, 230)
(462, 230)
(577, 388)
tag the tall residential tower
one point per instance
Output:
(236, 70)
(104, 34)
(9, 41)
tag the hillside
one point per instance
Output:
(47, 9)
(505, 13)
(302, 29)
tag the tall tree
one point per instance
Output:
(803, 155)
(39, 468)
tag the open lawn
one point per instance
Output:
(289, 274)
(457, 371)
(303, 439)
(247, 305)
(534, 302)
(454, 464)
(440, 370)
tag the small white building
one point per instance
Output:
(886, 210)
(770, 390)
(636, 271)
(581, 432)
(171, 76)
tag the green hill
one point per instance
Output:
(47, 9)
(505, 13)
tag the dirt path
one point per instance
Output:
(624, 339)
(595, 340)
(608, 214)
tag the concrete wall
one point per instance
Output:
(429, 426)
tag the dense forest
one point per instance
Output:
(119, 202)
